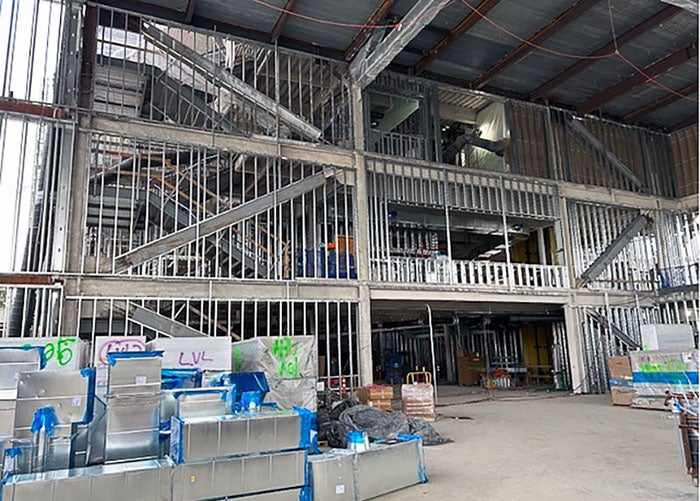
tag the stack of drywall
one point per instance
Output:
(211, 355)
(376, 396)
(289, 363)
(656, 372)
(621, 384)
(343, 475)
(667, 337)
(240, 455)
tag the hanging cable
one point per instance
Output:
(428, 15)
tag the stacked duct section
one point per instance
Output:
(290, 364)
(345, 475)
(254, 456)
(132, 406)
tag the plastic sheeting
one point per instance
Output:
(290, 364)
(379, 425)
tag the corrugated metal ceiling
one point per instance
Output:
(483, 45)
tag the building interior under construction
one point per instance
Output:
(429, 185)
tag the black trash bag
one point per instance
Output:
(383, 425)
(336, 411)
(335, 433)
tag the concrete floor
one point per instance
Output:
(557, 448)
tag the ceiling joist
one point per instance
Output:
(189, 11)
(282, 20)
(571, 14)
(661, 103)
(653, 70)
(365, 67)
(454, 34)
(643, 27)
(365, 32)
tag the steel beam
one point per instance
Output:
(651, 71)
(454, 34)
(686, 122)
(160, 323)
(613, 249)
(614, 329)
(629, 35)
(221, 77)
(211, 115)
(689, 5)
(554, 26)
(27, 279)
(189, 11)
(213, 224)
(282, 20)
(29, 108)
(364, 68)
(577, 127)
(365, 32)
(664, 101)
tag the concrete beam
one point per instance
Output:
(447, 293)
(600, 195)
(94, 286)
(364, 68)
(213, 224)
(253, 145)
(221, 77)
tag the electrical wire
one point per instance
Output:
(428, 15)
(615, 53)
(532, 44)
(475, 10)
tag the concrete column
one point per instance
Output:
(562, 232)
(575, 348)
(72, 200)
(361, 225)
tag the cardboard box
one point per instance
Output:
(468, 370)
(384, 405)
(374, 393)
(622, 395)
(620, 367)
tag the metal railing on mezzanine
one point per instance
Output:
(469, 273)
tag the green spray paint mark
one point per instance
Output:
(59, 350)
(673, 365)
(237, 359)
(285, 351)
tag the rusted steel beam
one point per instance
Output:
(454, 34)
(364, 33)
(664, 101)
(629, 35)
(554, 26)
(653, 70)
(282, 20)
